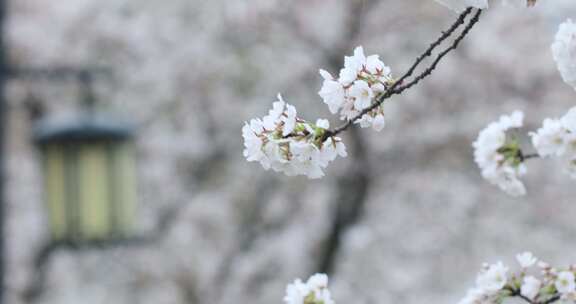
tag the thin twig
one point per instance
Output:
(517, 293)
(530, 156)
(452, 47)
(397, 87)
(552, 299)
(445, 35)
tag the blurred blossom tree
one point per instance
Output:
(189, 71)
(494, 284)
(283, 142)
(286, 143)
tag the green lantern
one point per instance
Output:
(89, 177)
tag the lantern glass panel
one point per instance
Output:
(90, 189)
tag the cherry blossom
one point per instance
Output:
(285, 143)
(557, 138)
(497, 153)
(565, 283)
(526, 259)
(358, 86)
(564, 52)
(314, 291)
(530, 287)
(495, 283)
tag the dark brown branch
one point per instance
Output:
(552, 299)
(514, 292)
(530, 156)
(350, 201)
(445, 35)
(353, 187)
(525, 298)
(434, 64)
(398, 87)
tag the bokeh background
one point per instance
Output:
(405, 218)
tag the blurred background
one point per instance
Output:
(125, 181)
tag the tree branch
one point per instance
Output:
(433, 66)
(350, 202)
(398, 87)
(517, 293)
(530, 156)
(353, 187)
(552, 299)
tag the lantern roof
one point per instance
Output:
(83, 127)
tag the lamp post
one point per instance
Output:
(106, 144)
(3, 76)
(89, 179)
(89, 174)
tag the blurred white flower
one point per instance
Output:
(361, 81)
(347, 76)
(493, 278)
(287, 144)
(498, 156)
(318, 281)
(289, 120)
(357, 61)
(323, 123)
(557, 137)
(489, 282)
(274, 114)
(565, 283)
(296, 292)
(353, 65)
(549, 140)
(332, 92)
(569, 119)
(252, 142)
(379, 122)
(564, 52)
(314, 291)
(543, 265)
(530, 287)
(494, 283)
(362, 94)
(375, 66)
(526, 259)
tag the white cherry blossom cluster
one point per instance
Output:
(288, 144)
(285, 143)
(461, 5)
(557, 138)
(536, 282)
(359, 83)
(564, 52)
(498, 155)
(314, 291)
